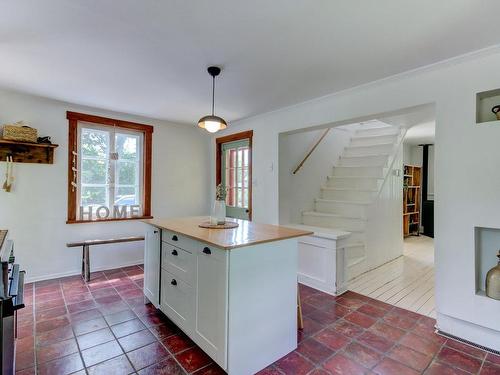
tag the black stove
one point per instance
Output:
(11, 300)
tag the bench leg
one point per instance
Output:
(83, 262)
(86, 266)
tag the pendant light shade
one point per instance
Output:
(212, 123)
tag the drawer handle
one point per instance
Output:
(174, 238)
(155, 231)
(207, 251)
(174, 252)
(173, 282)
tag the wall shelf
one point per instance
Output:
(411, 200)
(24, 152)
(484, 102)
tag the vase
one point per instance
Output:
(493, 281)
(218, 213)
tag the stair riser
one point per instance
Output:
(354, 252)
(357, 237)
(347, 195)
(364, 161)
(334, 222)
(359, 171)
(377, 131)
(372, 141)
(356, 269)
(347, 209)
(369, 150)
(353, 183)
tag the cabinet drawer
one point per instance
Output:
(177, 300)
(177, 240)
(194, 247)
(178, 262)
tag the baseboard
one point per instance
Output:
(469, 332)
(29, 279)
(319, 285)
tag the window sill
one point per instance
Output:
(107, 220)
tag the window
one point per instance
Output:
(234, 171)
(109, 169)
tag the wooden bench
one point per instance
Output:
(86, 250)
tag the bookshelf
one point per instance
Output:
(411, 200)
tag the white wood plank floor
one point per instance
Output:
(407, 282)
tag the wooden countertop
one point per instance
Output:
(246, 234)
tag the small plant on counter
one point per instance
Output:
(220, 192)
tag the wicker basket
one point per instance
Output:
(20, 133)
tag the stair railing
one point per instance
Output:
(401, 138)
(311, 151)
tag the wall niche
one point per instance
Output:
(485, 101)
(487, 243)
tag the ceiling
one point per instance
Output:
(421, 134)
(149, 57)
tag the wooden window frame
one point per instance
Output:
(218, 161)
(147, 130)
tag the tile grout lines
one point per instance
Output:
(108, 277)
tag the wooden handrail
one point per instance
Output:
(311, 151)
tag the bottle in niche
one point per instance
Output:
(493, 281)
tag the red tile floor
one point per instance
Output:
(103, 326)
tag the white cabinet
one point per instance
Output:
(211, 303)
(151, 265)
(177, 300)
(238, 305)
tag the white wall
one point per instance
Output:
(462, 148)
(297, 192)
(35, 211)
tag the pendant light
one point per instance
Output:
(212, 123)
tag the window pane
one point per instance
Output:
(126, 172)
(238, 177)
(126, 196)
(93, 196)
(126, 146)
(245, 198)
(245, 157)
(95, 143)
(245, 177)
(94, 171)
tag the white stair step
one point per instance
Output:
(357, 236)
(356, 267)
(364, 161)
(332, 221)
(386, 130)
(346, 208)
(354, 182)
(383, 148)
(342, 170)
(372, 140)
(347, 194)
(355, 250)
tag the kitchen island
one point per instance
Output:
(232, 291)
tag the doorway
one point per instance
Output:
(234, 171)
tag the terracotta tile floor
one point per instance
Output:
(103, 327)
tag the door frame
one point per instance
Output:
(218, 161)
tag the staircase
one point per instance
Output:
(352, 189)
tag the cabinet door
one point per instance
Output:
(211, 303)
(177, 301)
(152, 265)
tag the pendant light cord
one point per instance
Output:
(213, 94)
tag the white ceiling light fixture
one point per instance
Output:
(212, 123)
